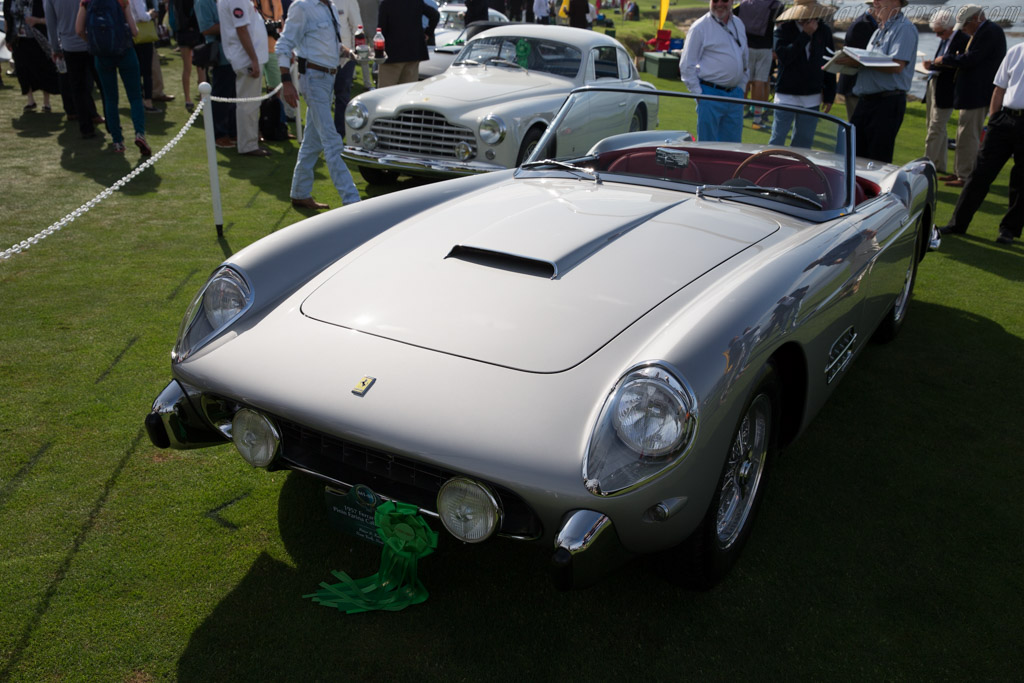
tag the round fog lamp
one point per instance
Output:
(464, 151)
(468, 510)
(255, 437)
(370, 141)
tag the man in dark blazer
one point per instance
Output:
(972, 87)
(405, 39)
(939, 91)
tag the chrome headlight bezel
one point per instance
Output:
(224, 298)
(492, 130)
(615, 462)
(356, 115)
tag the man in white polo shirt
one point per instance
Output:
(244, 39)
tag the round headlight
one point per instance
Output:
(492, 130)
(650, 417)
(468, 510)
(356, 115)
(370, 141)
(464, 151)
(255, 437)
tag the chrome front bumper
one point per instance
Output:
(356, 156)
(586, 548)
(175, 420)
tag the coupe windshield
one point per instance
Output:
(529, 53)
(650, 138)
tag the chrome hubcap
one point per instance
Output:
(743, 471)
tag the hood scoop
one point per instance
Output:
(502, 261)
(527, 243)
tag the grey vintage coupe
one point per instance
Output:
(600, 351)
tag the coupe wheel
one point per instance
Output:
(897, 314)
(530, 141)
(378, 176)
(639, 119)
(713, 548)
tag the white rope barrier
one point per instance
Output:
(26, 244)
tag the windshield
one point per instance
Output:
(530, 53)
(650, 138)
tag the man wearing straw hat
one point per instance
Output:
(714, 62)
(803, 43)
(882, 90)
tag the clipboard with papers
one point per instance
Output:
(863, 58)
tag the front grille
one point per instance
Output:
(396, 477)
(421, 132)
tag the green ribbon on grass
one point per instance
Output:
(396, 585)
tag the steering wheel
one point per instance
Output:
(788, 154)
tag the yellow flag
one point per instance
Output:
(563, 11)
(664, 14)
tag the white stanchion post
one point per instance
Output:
(211, 156)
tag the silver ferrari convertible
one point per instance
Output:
(601, 350)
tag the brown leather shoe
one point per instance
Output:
(309, 203)
(163, 98)
(956, 183)
(946, 177)
(258, 152)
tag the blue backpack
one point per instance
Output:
(107, 29)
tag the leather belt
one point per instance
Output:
(882, 95)
(317, 67)
(709, 84)
(1017, 113)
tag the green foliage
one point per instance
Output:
(888, 546)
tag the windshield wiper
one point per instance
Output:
(470, 62)
(506, 62)
(573, 168)
(757, 190)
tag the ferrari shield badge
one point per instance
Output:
(364, 385)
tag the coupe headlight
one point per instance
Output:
(492, 130)
(224, 297)
(356, 115)
(646, 425)
(468, 510)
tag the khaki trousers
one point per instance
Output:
(398, 72)
(936, 143)
(247, 114)
(968, 140)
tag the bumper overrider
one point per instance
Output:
(586, 544)
(401, 163)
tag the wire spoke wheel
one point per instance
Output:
(743, 471)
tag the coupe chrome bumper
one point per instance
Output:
(399, 163)
(175, 421)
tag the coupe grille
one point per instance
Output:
(422, 132)
(393, 476)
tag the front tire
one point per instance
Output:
(639, 119)
(530, 141)
(894, 318)
(711, 551)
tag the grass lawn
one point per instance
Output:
(889, 545)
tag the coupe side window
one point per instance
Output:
(606, 63)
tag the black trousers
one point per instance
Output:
(1005, 138)
(79, 80)
(878, 120)
(223, 83)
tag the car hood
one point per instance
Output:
(480, 84)
(532, 274)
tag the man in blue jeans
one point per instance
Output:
(312, 31)
(715, 61)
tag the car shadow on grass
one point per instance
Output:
(886, 548)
